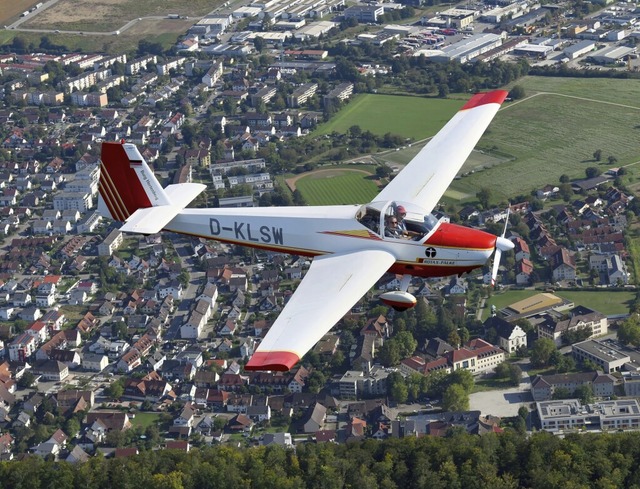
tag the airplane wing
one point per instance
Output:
(424, 180)
(332, 285)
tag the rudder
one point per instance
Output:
(126, 182)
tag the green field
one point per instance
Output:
(604, 301)
(337, 187)
(530, 143)
(145, 419)
(547, 135)
(411, 117)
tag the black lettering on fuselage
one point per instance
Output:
(265, 237)
(242, 231)
(277, 235)
(237, 229)
(251, 238)
(214, 226)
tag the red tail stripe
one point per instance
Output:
(124, 177)
(110, 194)
(108, 198)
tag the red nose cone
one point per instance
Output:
(455, 236)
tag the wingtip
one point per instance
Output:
(495, 97)
(280, 361)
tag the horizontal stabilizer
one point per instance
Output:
(152, 220)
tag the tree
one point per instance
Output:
(455, 398)
(584, 393)
(316, 381)
(515, 374)
(542, 351)
(26, 380)
(258, 44)
(612, 160)
(383, 171)
(390, 353)
(597, 154)
(484, 196)
(397, 387)
(564, 178)
(629, 330)
(592, 172)
(517, 92)
(115, 389)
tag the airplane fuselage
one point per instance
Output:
(312, 231)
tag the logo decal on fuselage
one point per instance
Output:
(430, 252)
(244, 232)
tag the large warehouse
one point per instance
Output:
(468, 49)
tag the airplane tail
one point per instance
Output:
(130, 192)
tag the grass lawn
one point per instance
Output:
(337, 187)
(604, 301)
(411, 117)
(145, 419)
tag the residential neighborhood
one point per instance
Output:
(114, 343)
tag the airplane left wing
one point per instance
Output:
(332, 285)
(424, 180)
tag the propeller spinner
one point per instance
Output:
(502, 244)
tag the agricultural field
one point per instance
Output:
(337, 186)
(87, 16)
(110, 15)
(411, 117)
(10, 10)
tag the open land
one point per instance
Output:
(530, 142)
(605, 301)
(548, 135)
(109, 15)
(104, 16)
(11, 9)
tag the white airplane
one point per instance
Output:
(350, 244)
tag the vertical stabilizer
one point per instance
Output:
(126, 182)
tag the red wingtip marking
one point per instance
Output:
(281, 361)
(495, 97)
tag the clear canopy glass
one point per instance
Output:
(414, 223)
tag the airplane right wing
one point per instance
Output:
(329, 289)
(424, 180)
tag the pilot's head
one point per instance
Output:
(401, 212)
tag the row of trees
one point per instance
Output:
(505, 461)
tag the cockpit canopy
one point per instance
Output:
(376, 215)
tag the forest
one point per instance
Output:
(459, 460)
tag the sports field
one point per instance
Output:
(604, 301)
(411, 117)
(340, 186)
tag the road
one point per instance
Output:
(196, 279)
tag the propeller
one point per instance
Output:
(502, 244)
